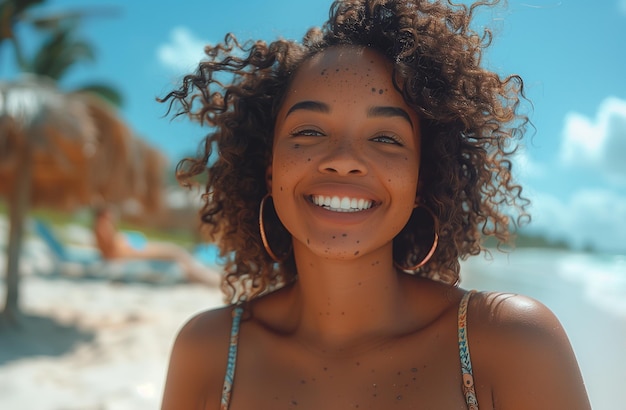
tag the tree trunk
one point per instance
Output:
(18, 209)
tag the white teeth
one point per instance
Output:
(344, 204)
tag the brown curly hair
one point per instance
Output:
(470, 123)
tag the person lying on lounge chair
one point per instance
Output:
(114, 245)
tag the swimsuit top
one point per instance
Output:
(464, 353)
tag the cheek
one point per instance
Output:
(403, 175)
(285, 167)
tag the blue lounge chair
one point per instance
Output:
(66, 258)
(82, 262)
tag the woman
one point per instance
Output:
(351, 173)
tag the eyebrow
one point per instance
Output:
(378, 111)
(389, 112)
(309, 106)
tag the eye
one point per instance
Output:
(388, 139)
(306, 132)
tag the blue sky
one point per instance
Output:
(570, 54)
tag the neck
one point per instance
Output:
(346, 302)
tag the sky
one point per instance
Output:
(570, 54)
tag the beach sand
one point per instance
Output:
(94, 344)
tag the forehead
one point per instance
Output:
(344, 68)
(345, 77)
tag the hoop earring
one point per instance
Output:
(432, 249)
(266, 244)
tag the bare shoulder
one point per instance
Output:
(198, 361)
(514, 312)
(522, 352)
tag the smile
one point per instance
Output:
(344, 204)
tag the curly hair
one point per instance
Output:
(470, 116)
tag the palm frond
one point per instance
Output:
(104, 91)
(60, 52)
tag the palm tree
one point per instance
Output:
(32, 113)
(15, 13)
(11, 13)
(59, 53)
(54, 145)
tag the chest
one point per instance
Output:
(420, 371)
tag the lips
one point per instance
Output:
(341, 204)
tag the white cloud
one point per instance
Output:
(182, 53)
(525, 167)
(590, 217)
(600, 143)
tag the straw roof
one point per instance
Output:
(79, 149)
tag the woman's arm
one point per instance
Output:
(198, 363)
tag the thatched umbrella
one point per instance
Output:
(148, 174)
(57, 150)
(124, 168)
(113, 153)
(45, 136)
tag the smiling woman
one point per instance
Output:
(347, 176)
(337, 137)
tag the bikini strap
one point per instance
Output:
(232, 358)
(464, 352)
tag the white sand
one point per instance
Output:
(94, 345)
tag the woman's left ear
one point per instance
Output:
(268, 178)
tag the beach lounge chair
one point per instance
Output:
(87, 262)
(68, 260)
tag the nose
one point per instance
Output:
(343, 158)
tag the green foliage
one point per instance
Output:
(527, 240)
(61, 48)
(12, 12)
(104, 91)
(182, 236)
(58, 53)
